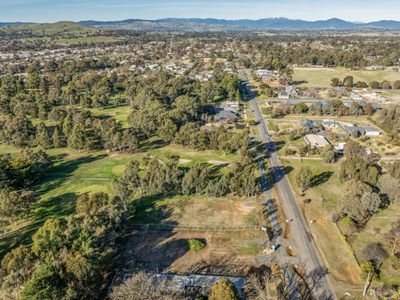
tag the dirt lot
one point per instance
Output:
(230, 253)
(226, 252)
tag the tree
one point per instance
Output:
(266, 286)
(58, 138)
(396, 85)
(386, 85)
(17, 131)
(50, 239)
(375, 252)
(394, 169)
(390, 187)
(357, 168)
(90, 205)
(14, 203)
(129, 182)
(196, 180)
(348, 81)
(303, 178)
(162, 176)
(68, 124)
(42, 136)
(45, 283)
(328, 154)
(83, 273)
(368, 270)
(335, 82)
(167, 130)
(129, 141)
(375, 85)
(223, 289)
(392, 239)
(77, 139)
(360, 202)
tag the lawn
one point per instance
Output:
(190, 156)
(321, 77)
(120, 114)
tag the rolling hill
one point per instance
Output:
(244, 24)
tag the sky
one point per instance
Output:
(78, 10)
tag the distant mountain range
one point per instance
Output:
(2, 24)
(244, 24)
(197, 24)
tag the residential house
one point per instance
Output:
(316, 141)
(372, 131)
(329, 123)
(355, 97)
(311, 126)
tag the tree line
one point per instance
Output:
(156, 176)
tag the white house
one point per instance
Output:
(371, 131)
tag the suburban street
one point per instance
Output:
(307, 252)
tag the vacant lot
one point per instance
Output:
(232, 253)
(166, 249)
(321, 77)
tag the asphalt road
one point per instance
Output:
(305, 246)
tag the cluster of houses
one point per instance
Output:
(315, 137)
(311, 126)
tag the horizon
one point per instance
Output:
(50, 11)
(199, 18)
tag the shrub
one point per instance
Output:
(196, 245)
(223, 289)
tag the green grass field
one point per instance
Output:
(321, 77)
(120, 114)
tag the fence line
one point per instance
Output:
(193, 228)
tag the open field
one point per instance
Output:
(226, 252)
(190, 156)
(321, 77)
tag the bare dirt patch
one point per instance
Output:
(164, 251)
(184, 161)
(214, 211)
(218, 162)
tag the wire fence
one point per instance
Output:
(172, 227)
